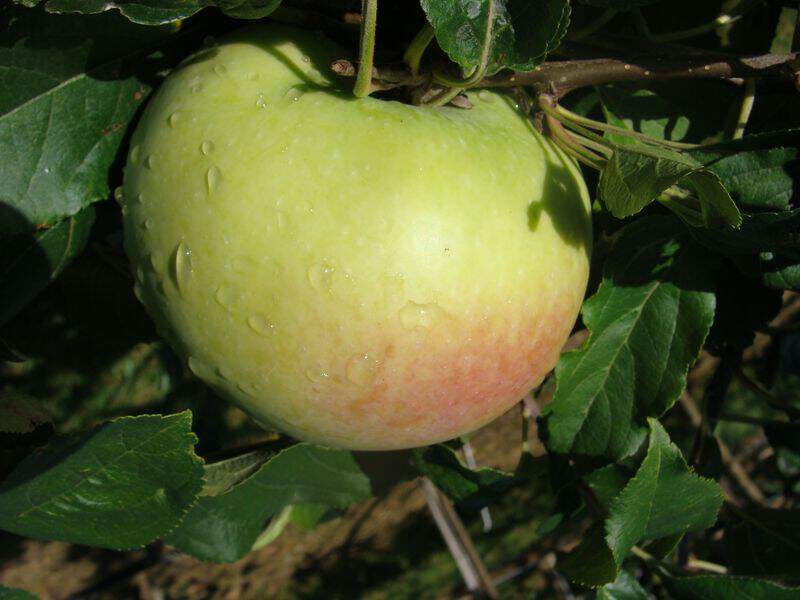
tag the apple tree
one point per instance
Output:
(241, 201)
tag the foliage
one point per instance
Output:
(697, 229)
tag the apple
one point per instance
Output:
(359, 273)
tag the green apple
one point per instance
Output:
(360, 273)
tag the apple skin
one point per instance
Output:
(359, 273)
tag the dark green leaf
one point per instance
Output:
(648, 321)
(780, 271)
(7, 593)
(118, 486)
(70, 86)
(624, 588)
(522, 32)
(777, 232)
(637, 176)
(222, 475)
(158, 12)
(591, 563)
(765, 542)
(28, 263)
(472, 489)
(726, 587)
(306, 516)
(607, 482)
(646, 509)
(20, 413)
(223, 528)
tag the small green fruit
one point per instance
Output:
(355, 272)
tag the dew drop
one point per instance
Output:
(173, 119)
(317, 375)
(199, 368)
(221, 70)
(134, 157)
(212, 179)
(118, 195)
(139, 198)
(148, 223)
(207, 147)
(182, 266)
(260, 101)
(261, 325)
(251, 76)
(361, 369)
(320, 275)
(150, 161)
(140, 274)
(283, 221)
(420, 316)
(306, 59)
(155, 262)
(225, 373)
(137, 291)
(224, 296)
(293, 94)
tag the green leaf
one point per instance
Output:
(756, 179)
(222, 475)
(472, 489)
(159, 12)
(306, 516)
(591, 563)
(648, 321)
(776, 232)
(7, 593)
(71, 85)
(223, 528)
(20, 414)
(725, 587)
(765, 542)
(119, 486)
(646, 509)
(781, 272)
(607, 482)
(522, 32)
(28, 263)
(636, 176)
(624, 588)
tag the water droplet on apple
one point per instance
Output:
(119, 196)
(293, 94)
(221, 70)
(139, 198)
(207, 147)
(320, 275)
(137, 291)
(213, 176)
(134, 157)
(140, 274)
(225, 373)
(173, 119)
(155, 262)
(199, 368)
(224, 296)
(261, 325)
(420, 316)
(361, 369)
(283, 221)
(306, 59)
(260, 100)
(150, 162)
(183, 266)
(317, 375)
(251, 76)
(148, 223)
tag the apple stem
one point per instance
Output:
(745, 109)
(363, 85)
(417, 47)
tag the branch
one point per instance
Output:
(566, 75)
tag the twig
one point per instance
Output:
(771, 400)
(369, 11)
(455, 535)
(745, 109)
(605, 17)
(469, 458)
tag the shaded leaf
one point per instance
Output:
(222, 475)
(725, 587)
(7, 593)
(119, 486)
(223, 528)
(71, 85)
(648, 321)
(306, 516)
(646, 508)
(20, 413)
(776, 232)
(28, 263)
(591, 563)
(765, 542)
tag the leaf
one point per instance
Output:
(725, 587)
(591, 563)
(756, 179)
(624, 588)
(780, 271)
(646, 509)
(20, 413)
(222, 475)
(223, 528)
(648, 321)
(159, 12)
(471, 489)
(7, 593)
(777, 232)
(119, 486)
(620, 5)
(607, 483)
(765, 542)
(636, 176)
(306, 516)
(28, 263)
(522, 32)
(71, 85)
